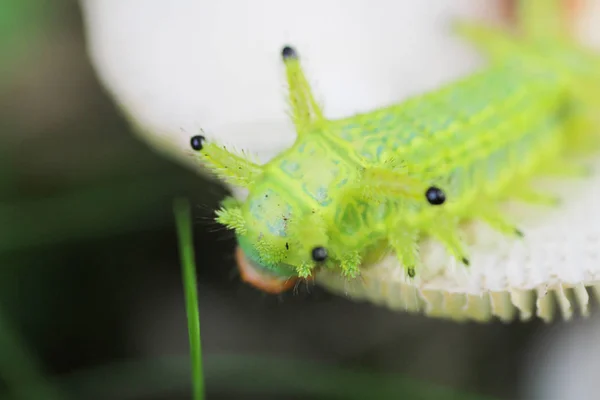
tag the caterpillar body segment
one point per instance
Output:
(352, 189)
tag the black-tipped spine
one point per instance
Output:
(289, 53)
(435, 196)
(197, 142)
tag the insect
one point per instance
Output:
(349, 191)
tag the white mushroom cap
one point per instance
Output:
(180, 66)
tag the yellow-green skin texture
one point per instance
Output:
(474, 138)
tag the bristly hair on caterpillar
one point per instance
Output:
(350, 190)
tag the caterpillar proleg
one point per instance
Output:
(352, 190)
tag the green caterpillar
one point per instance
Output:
(349, 191)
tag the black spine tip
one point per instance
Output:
(289, 53)
(435, 196)
(411, 272)
(466, 261)
(197, 142)
(319, 254)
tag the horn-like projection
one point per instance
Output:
(231, 216)
(235, 169)
(305, 110)
(390, 180)
(495, 42)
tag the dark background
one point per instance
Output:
(90, 275)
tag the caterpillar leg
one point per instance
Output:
(305, 109)
(350, 264)
(405, 245)
(446, 231)
(491, 215)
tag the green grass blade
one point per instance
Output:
(184, 229)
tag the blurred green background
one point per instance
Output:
(91, 301)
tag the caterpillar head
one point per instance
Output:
(279, 240)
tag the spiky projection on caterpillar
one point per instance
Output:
(348, 191)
